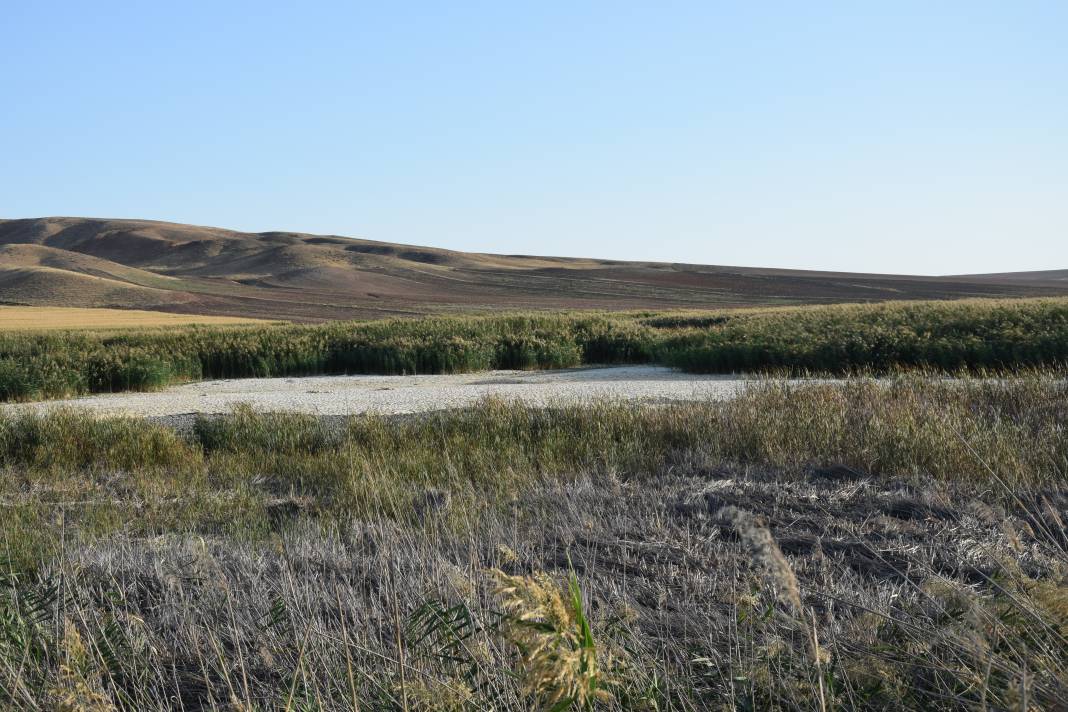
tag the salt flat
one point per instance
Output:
(343, 395)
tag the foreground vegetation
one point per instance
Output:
(951, 336)
(865, 545)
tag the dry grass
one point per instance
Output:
(856, 546)
(22, 318)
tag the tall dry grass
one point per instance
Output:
(862, 545)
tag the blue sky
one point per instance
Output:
(888, 137)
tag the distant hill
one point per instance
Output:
(1050, 277)
(141, 264)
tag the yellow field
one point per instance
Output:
(22, 318)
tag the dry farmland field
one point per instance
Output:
(22, 318)
(896, 538)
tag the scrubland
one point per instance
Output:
(875, 545)
(972, 335)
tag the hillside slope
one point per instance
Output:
(190, 269)
(1050, 277)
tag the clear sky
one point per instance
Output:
(921, 137)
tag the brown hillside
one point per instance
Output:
(184, 268)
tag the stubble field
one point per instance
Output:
(26, 318)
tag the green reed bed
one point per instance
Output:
(64, 363)
(836, 339)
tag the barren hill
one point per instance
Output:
(281, 275)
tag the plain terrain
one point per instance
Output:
(970, 335)
(898, 542)
(861, 545)
(85, 262)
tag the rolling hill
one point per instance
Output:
(140, 264)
